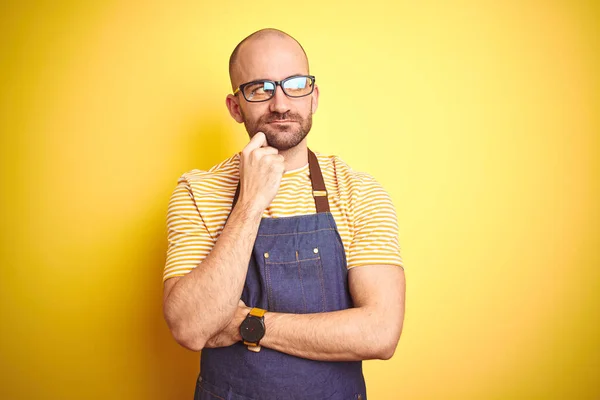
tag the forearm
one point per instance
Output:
(345, 335)
(202, 302)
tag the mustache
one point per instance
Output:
(274, 116)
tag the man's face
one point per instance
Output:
(285, 121)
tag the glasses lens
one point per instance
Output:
(298, 86)
(259, 91)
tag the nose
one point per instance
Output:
(279, 103)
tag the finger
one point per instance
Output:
(264, 151)
(241, 303)
(259, 140)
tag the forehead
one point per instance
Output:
(270, 58)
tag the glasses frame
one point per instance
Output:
(276, 83)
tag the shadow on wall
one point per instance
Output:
(171, 369)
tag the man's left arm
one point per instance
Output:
(370, 330)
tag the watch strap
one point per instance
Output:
(257, 312)
(252, 347)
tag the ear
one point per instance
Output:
(233, 105)
(315, 99)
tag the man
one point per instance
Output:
(283, 265)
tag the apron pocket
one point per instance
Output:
(296, 287)
(208, 391)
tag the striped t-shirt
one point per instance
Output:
(363, 212)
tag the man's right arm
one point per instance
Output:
(201, 303)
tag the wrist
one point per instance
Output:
(271, 319)
(249, 209)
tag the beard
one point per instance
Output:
(280, 136)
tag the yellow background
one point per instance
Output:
(481, 119)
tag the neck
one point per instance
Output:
(296, 157)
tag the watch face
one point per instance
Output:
(252, 329)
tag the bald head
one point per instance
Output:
(262, 49)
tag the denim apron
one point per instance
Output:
(298, 265)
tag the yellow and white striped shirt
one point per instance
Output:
(363, 212)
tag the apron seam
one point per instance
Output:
(296, 233)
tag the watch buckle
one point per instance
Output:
(255, 349)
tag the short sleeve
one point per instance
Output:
(189, 241)
(375, 239)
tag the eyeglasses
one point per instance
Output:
(264, 89)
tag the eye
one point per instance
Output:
(259, 90)
(298, 86)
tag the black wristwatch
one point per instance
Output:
(253, 328)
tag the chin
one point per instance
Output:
(281, 146)
(284, 139)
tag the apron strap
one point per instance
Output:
(318, 184)
(317, 181)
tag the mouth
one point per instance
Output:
(281, 121)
